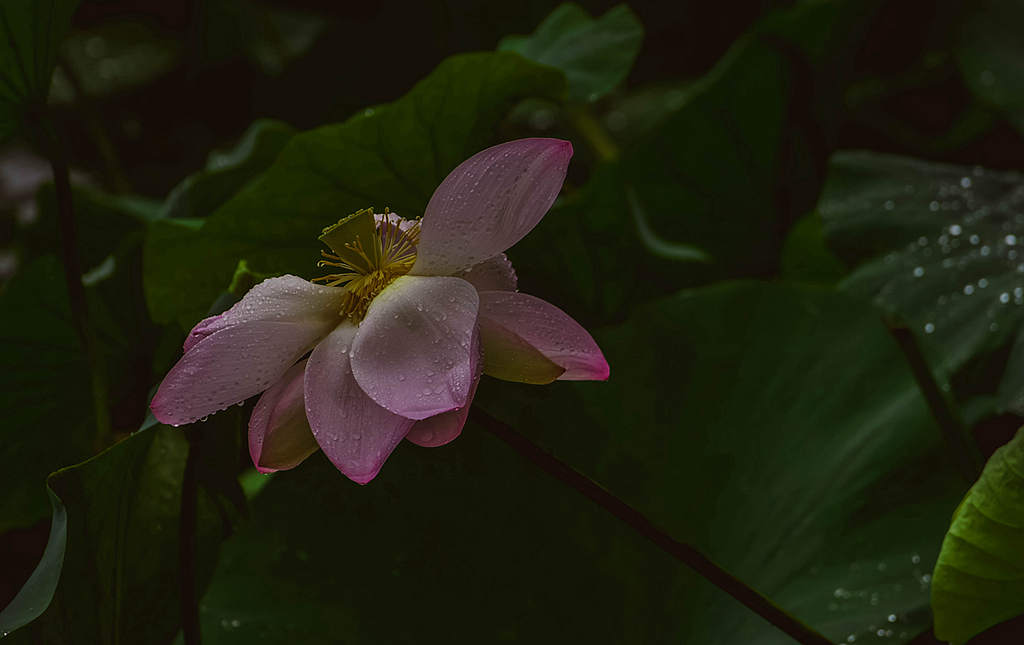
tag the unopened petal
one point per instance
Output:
(489, 202)
(493, 274)
(355, 433)
(524, 336)
(443, 428)
(279, 435)
(413, 352)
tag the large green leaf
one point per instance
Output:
(393, 156)
(979, 578)
(936, 245)
(30, 34)
(595, 54)
(110, 572)
(733, 168)
(820, 481)
(990, 54)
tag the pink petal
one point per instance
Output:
(443, 428)
(230, 366)
(489, 202)
(512, 323)
(355, 433)
(494, 274)
(279, 435)
(412, 354)
(284, 299)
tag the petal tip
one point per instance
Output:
(560, 149)
(158, 407)
(598, 370)
(362, 480)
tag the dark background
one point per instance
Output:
(371, 53)
(906, 97)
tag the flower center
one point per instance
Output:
(372, 250)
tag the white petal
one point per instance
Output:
(412, 354)
(489, 202)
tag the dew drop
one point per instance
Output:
(929, 328)
(918, 272)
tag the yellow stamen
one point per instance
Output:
(371, 265)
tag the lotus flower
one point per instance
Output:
(397, 339)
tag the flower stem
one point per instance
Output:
(187, 542)
(68, 234)
(958, 436)
(682, 552)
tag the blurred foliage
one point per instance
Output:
(806, 258)
(990, 54)
(268, 35)
(226, 172)
(46, 387)
(45, 392)
(762, 120)
(595, 54)
(112, 58)
(30, 34)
